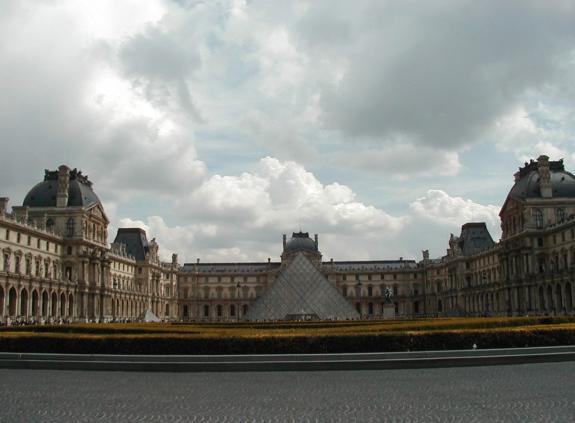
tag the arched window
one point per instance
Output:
(219, 310)
(24, 302)
(206, 310)
(232, 310)
(6, 265)
(370, 309)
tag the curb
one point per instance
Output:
(288, 362)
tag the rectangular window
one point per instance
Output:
(29, 240)
(7, 234)
(6, 262)
(18, 237)
(38, 244)
(17, 266)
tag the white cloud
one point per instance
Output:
(437, 206)
(531, 130)
(283, 195)
(131, 92)
(242, 218)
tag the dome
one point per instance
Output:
(527, 183)
(301, 241)
(44, 194)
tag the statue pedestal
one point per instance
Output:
(389, 311)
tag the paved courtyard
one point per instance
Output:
(520, 393)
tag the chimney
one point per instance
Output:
(285, 240)
(269, 260)
(63, 185)
(316, 242)
(174, 258)
(544, 177)
(198, 261)
(4, 205)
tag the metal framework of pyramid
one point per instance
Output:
(148, 316)
(301, 290)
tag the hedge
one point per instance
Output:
(173, 344)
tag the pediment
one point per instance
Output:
(98, 211)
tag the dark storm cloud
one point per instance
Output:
(441, 72)
(162, 64)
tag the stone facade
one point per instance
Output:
(56, 263)
(57, 266)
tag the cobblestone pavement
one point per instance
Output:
(520, 393)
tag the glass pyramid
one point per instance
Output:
(301, 290)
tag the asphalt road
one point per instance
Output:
(518, 393)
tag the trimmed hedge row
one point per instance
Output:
(286, 345)
(343, 328)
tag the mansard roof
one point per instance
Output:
(475, 238)
(135, 240)
(371, 266)
(300, 241)
(230, 267)
(80, 192)
(528, 181)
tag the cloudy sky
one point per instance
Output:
(219, 125)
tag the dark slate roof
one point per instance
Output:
(80, 191)
(135, 240)
(338, 266)
(230, 267)
(562, 182)
(475, 238)
(371, 266)
(300, 241)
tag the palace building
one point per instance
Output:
(57, 264)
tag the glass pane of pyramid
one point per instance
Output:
(301, 290)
